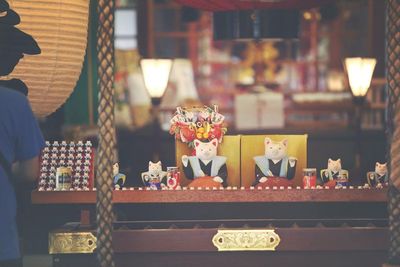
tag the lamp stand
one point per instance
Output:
(359, 104)
(157, 132)
(156, 101)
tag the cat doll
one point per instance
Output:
(379, 177)
(154, 176)
(334, 174)
(206, 163)
(275, 163)
(118, 178)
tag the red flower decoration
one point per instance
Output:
(187, 133)
(216, 132)
(198, 123)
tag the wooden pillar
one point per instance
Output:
(107, 140)
(393, 122)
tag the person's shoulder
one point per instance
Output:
(12, 97)
(10, 93)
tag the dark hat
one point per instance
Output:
(12, 38)
(15, 40)
(7, 15)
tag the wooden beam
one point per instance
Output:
(216, 196)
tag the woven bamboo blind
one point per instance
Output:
(60, 28)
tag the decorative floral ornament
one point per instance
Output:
(203, 124)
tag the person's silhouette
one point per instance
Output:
(21, 140)
(14, 43)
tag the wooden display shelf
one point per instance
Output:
(195, 240)
(215, 196)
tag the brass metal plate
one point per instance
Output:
(246, 240)
(71, 243)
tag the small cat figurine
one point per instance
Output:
(206, 162)
(275, 162)
(334, 172)
(154, 176)
(119, 178)
(379, 177)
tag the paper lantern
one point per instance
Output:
(156, 75)
(60, 28)
(360, 71)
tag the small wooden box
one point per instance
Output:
(230, 148)
(253, 145)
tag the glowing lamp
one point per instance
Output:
(156, 75)
(360, 72)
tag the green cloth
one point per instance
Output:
(76, 109)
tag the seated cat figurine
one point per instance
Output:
(118, 178)
(275, 164)
(334, 174)
(154, 176)
(378, 178)
(206, 163)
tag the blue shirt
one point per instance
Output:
(20, 139)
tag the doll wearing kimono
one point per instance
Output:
(119, 178)
(275, 163)
(379, 177)
(334, 172)
(206, 162)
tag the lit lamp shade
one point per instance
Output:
(156, 74)
(60, 28)
(360, 72)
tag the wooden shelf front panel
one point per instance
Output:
(215, 196)
(200, 240)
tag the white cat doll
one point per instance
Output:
(154, 175)
(334, 172)
(275, 162)
(206, 162)
(379, 177)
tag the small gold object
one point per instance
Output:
(245, 240)
(70, 243)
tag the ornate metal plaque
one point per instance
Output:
(244, 240)
(69, 243)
